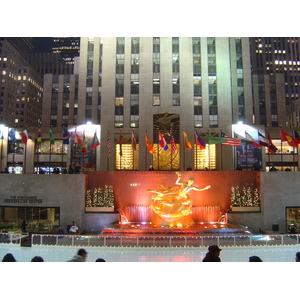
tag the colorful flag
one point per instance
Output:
(199, 141)
(162, 142)
(77, 140)
(263, 140)
(289, 139)
(108, 146)
(120, 143)
(24, 136)
(95, 142)
(12, 135)
(215, 140)
(66, 137)
(187, 143)
(296, 134)
(83, 146)
(52, 141)
(230, 141)
(133, 141)
(173, 144)
(251, 140)
(272, 148)
(39, 136)
(149, 145)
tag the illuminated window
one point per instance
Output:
(126, 157)
(205, 159)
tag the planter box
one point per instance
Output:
(99, 209)
(245, 209)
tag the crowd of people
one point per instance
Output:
(213, 255)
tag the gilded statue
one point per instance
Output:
(173, 205)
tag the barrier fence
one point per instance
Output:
(163, 241)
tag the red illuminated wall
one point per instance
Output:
(130, 187)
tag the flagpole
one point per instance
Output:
(120, 151)
(25, 153)
(208, 151)
(107, 157)
(132, 149)
(146, 152)
(158, 152)
(183, 151)
(171, 132)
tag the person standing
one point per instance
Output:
(213, 254)
(80, 257)
(297, 259)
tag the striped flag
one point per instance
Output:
(77, 140)
(108, 146)
(230, 141)
(133, 141)
(272, 148)
(95, 142)
(187, 143)
(173, 145)
(162, 142)
(199, 141)
(24, 136)
(263, 140)
(39, 136)
(66, 137)
(251, 140)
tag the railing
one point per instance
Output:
(10, 238)
(164, 241)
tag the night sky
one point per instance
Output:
(42, 44)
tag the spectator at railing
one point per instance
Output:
(297, 259)
(9, 258)
(37, 259)
(213, 254)
(254, 259)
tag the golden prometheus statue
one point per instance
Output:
(172, 206)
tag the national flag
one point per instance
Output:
(52, 141)
(77, 140)
(230, 141)
(120, 143)
(133, 141)
(162, 142)
(296, 134)
(66, 137)
(39, 136)
(24, 136)
(199, 141)
(12, 135)
(149, 145)
(251, 140)
(95, 142)
(173, 145)
(289, 139)
(272, 148)
(215, 140)
(108, 146)
(83, 146)
(263, 140)
(187, 143)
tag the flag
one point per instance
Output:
(173, 145)
(120, 143)
(83, 146)
(199, 141)
(187, 143)
(162, 142)
(12, 135)
(95, 142)
(108, 146)
(52, 141)
(215, 140)
(263, 140)
(149, 145)
(289, 139)
(230, 141)
(272, 148)
(66, 137)
(39, 136)
(77, 139)
(133, 141)
(296, 134)
(251, 140)
(24, 136)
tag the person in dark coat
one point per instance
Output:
(213, 254)
(9, 258)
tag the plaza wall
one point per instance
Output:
(278, 191)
